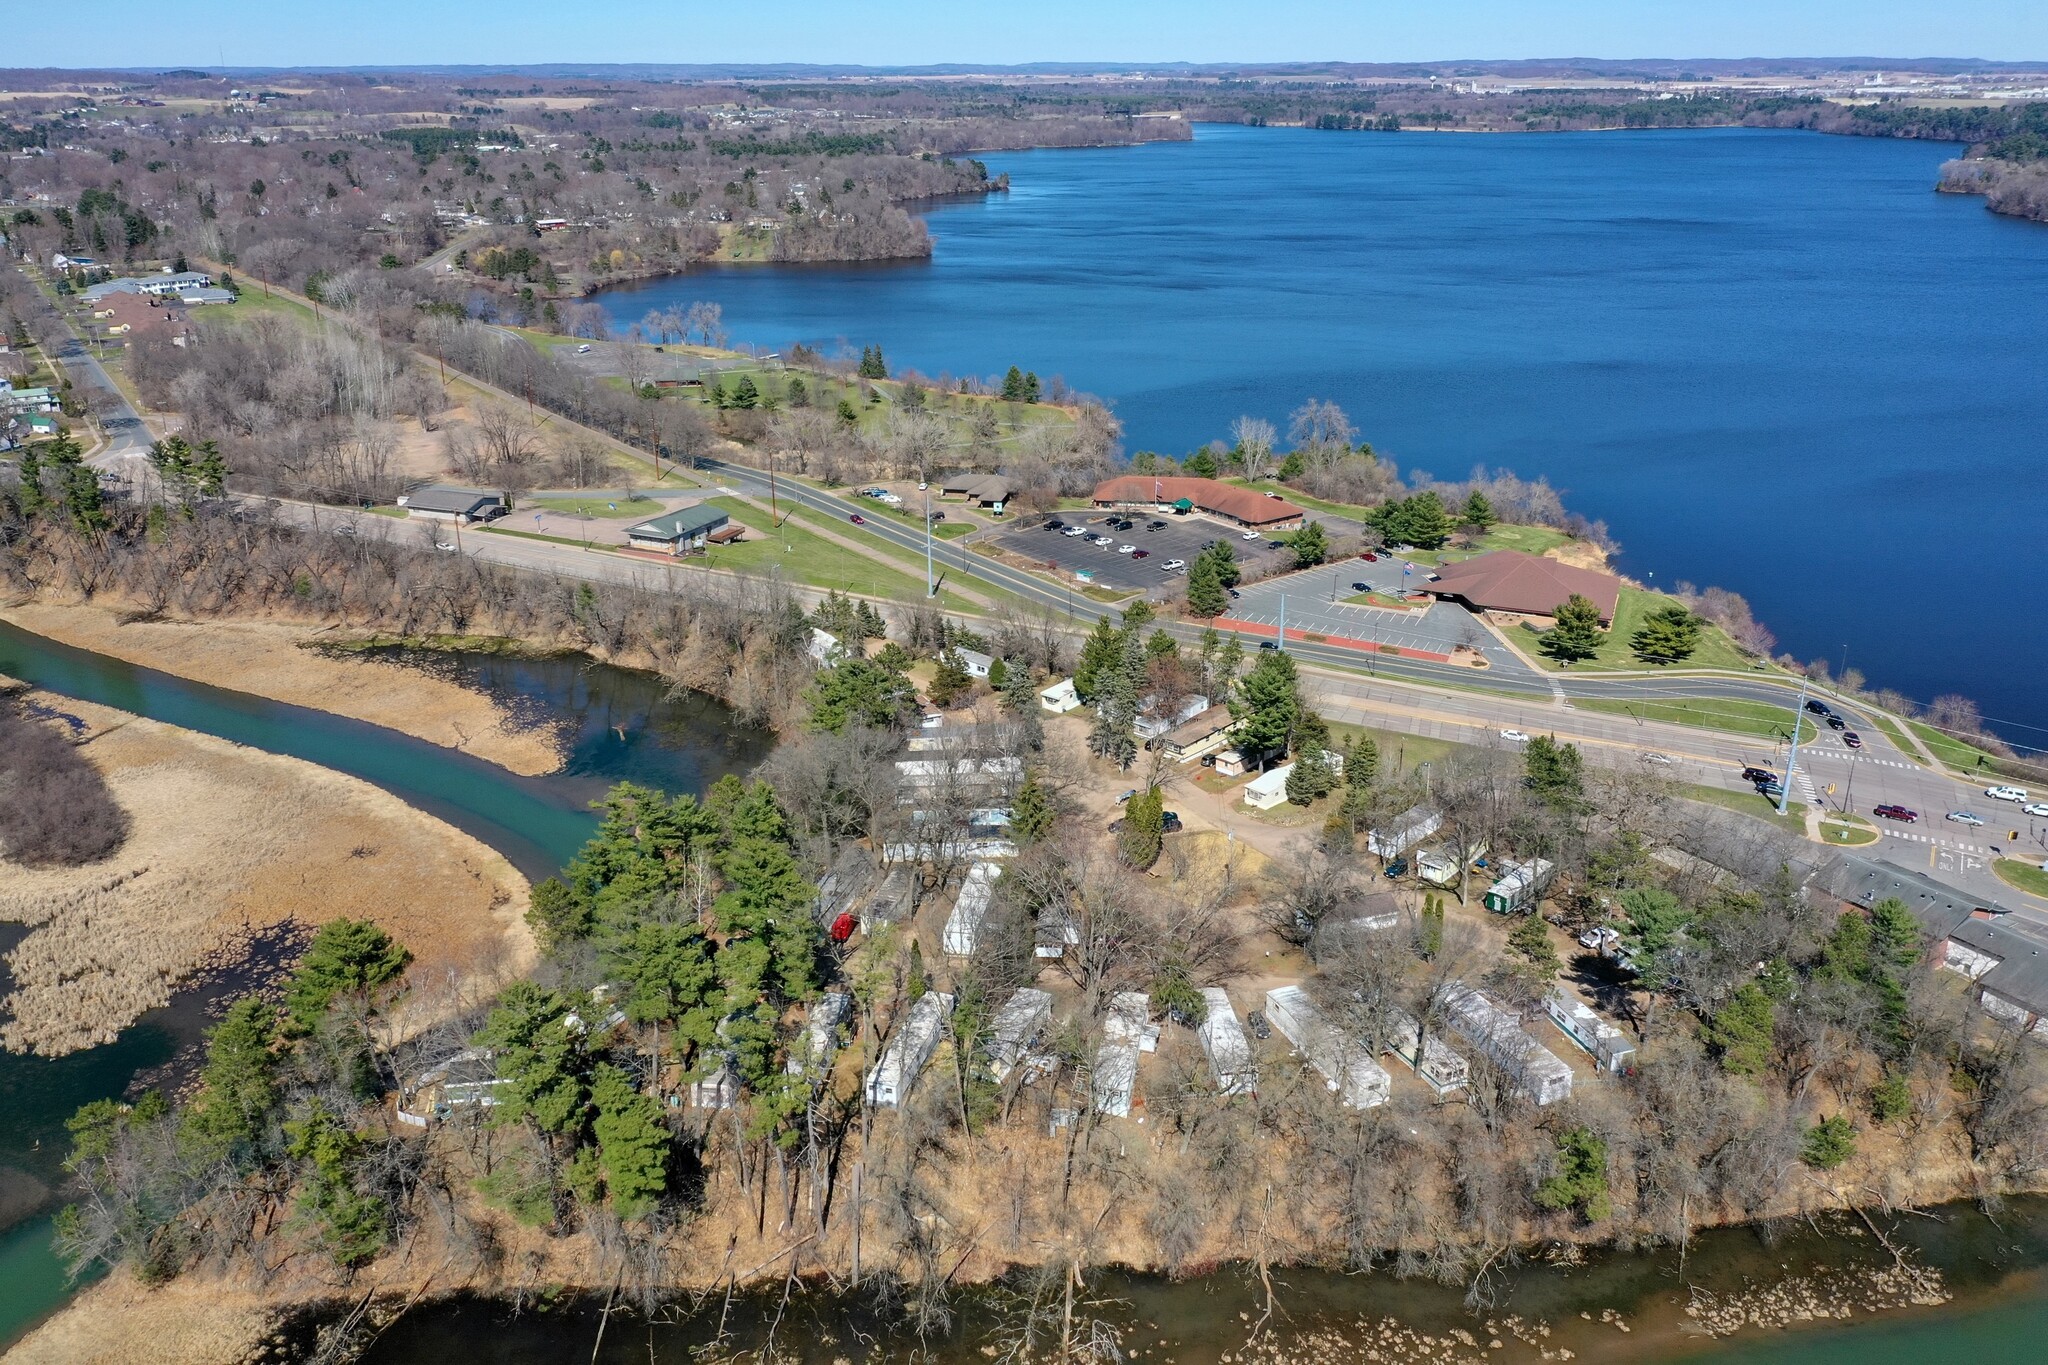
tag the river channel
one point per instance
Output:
(1773, 361)
(615, 725)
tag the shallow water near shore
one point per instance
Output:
(617, 725)
(1997, 1271)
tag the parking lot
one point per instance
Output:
(1176, 538)
(1315, 604)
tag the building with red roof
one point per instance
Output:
(1530, 585)
(1185, 493)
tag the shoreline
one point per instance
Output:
(289, 662)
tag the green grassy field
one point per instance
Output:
(2028, 878)
(597, 507)
(1897, 736)
(252, 304)
(1793, 821)
(815, 560)
(1949, 749)
(1729, 715)
(1715, 650)
(1399, 753)
(1848, 832)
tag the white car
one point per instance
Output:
(1100, 540)
(1963, 817)
(890, 498)
(1173, 566)
(1249, 535)
(2038, 808)
(584, 349)
(1125, 549)
(1073, 531)
(1659, 759)
(1514, 736)
(2006, 793)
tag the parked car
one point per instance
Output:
(1126, 549)
(1073, 531)
(1169, 825)
(1758, 775)
(1174, 565)
(1127, 796)
(935, 516)
(2006, 793)
(1141, 554)
(1234, 593)
(1900, 813)
(1852, 739)
(1963, 817)
(1155, 526)
(2039, 809)
(1660, 760)
(345, 529)
(1100, 539)
(1055, 525)
(1208, 760)
(584, 349)
(1514, 736)
(1361, 587)
(1269, 644)
(448, 545)
(1368, 556)
(1249, 535)
(1255, 1020)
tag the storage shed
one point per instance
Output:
(1357, 1079)
(888, 1085)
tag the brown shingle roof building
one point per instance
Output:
(1510, 580)
(1241, 505)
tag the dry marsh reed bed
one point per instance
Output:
(277, 660)
(225, 842)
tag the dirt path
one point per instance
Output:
(227, 843)
(271, 659)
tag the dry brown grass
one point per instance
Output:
(272, 659)
(227, 841)
(118, 1321)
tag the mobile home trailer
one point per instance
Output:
(888, 1085)
(1357, 1079)
(977, 893)
(1520, 886)
(1223, 1042)
(1016, 1029)
(1443, 1069)
(1407, 829)
(1535, 1070)
(1579, 1022)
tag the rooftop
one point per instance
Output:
(1210, 495)
(681, 523)
(1512, 580)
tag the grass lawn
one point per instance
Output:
(945, 530)
(817, 561)
(251, 303)
(1897, 736)
(2025, 876)
(597, 507)
(1399, 753)
(1949, 749)
(1793, 821)
(1730, 715)
(1377, 599)
(824, 393)
(1848, 831)
(1715, 650)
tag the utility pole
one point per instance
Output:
(931, 584)
(1792, 762)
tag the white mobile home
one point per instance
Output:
(1268, 789)
(821, 1035)
(1437, 1064)
(1116, 1078)
(1407, 829)
(1016, 1029)
(1357, 1079)
(1223, 1042)
(977, 893)
(1579, 1022)
(1060, 698)
(1520, 886)
(1535, 1070)
(889, 1083)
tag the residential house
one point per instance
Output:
(1581, 1023)
(1201, 734)
(684, 531)
(1406, 830)
(912, 1045)
(1347, 1068)
(1060, 698)
(449, 502)
(975, 662)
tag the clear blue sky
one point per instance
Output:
(153, 33)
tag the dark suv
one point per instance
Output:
(1835, 722)
(1758, 775)
(1819, 708)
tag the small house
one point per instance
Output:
(719, 1090)
(1347, 1069)
(1428, 1057)
(1115, 1079)
(1016, 1029)
(977, 893)
(448, 502)
(1060, 698)
(1268, 789)
(991, 491)
(1201, 734)
(1224, 1044)
(1520, 886)
(823, 647)
(1230, 763)
(681, 532)
(975, 662)
(1156, 720)
(1055, 933)
(888, 1085)
(1579, 1022)
(1406, 830)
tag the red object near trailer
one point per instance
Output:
(843, 927)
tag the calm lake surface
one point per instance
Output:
(1773, 361)
(616, 725)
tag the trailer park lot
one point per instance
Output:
(1181, 537)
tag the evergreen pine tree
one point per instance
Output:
(1031, 813)
(1099, 653)
(1013, 386)
(1206, 597)
(1668, 634)
(1576, 632)
(1478, 512)
(1267, 706)
(1311, 545)
(1030, 387)
(1144, 829)
(1201, 464)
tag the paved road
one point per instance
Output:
(126, 456)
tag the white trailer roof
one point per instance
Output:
(1223, 1041)
(1347, 1069)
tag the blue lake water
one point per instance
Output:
(1772, 361)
